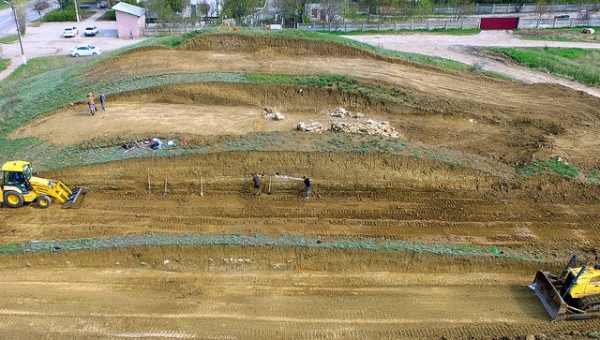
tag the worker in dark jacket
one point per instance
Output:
(307, 186)
(256, 180)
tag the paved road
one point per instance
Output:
(47, 40)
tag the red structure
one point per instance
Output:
(499, 23)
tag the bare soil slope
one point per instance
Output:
(311, 290)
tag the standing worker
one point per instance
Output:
(307, 186)
(102, 101)
(130, 34)
(256, 180)
(90, 101)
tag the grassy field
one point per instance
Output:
(4, 64)
(9, 39)
(577, 64)
(559, 34)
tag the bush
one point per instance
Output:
(558, 167)
(110, 15)
(61, 15)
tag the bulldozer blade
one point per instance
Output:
(547, 293)
(75, 199)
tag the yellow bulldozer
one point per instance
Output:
(19, 186)
(574, 294)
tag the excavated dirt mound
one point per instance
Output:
(470, 235)
(502, 120)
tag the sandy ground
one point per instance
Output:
(461, 49)
(308, 292)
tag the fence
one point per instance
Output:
(531, 8)
(429, 24)
(432, 24)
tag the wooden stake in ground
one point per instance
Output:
(201, 188)
(165, 192)
(149, 187)
(269, 191)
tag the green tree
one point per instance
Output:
(588, 9)
(64, 4)
(21, 10)
(332, 8)
(202, 10)
(40, 6)
(165, 14)
(291, 10)
(239, 8)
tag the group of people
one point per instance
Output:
(92, 105)
(257, 190)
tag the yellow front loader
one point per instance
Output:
(19, 186)
(573, 294)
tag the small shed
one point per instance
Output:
(130, 20)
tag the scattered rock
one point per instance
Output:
(278, 116)
(310, 127)
(339, 112)
(269, 113)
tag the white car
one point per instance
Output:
(90, 31)
(85, 50)
(70, 32)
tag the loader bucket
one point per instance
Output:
(75, 199)
(550, 296)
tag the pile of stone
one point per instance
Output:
(369, 127)
(269, 113)
(351, 123)
(343, 113)
(310, 127)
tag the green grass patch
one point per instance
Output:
(576, 64)
(37, 66)
(9, 39)
(574, 34)
(557, 167)
(35, 23)
(260, 240)
(4, 64)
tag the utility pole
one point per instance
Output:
(14, 10)
(76, 10)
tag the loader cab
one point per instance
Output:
(17, 174)
(587, 283)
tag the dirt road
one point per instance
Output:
(429, 236)
(463, 49)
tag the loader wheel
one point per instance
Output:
(13, 199)
(43, 202)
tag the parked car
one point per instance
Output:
(85, 50)
(90, 31)
(70, 32)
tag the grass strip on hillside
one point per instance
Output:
(258, 240)
(9, 39)
(4, 64)
(573, 63)
(558, 167)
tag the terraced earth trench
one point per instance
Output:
(433, 235)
